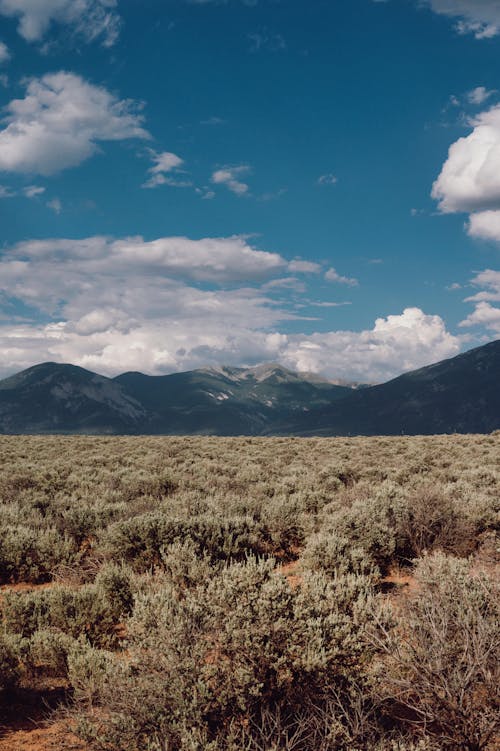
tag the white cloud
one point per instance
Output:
(90, 19)
(121, 304)
(216, 260)
(230, 177)
(127, 304)
(332, 276)
(470, 178)
(479, 95)
(485, 225)
(485, 315)
(4, 53)
(60, 123)
(163, 164)
(213, 121)
(478, 17)
(207, 330)
(328, 179)
(489, 282)
(395, 344)
(304, 267)
(249, 3)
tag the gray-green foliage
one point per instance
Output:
(30, 555)
(336, 556)
(442, 666)
(92, 611)
(175, 637)
(9, 660)
(204, 657)
(141, 539)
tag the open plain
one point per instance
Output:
(249, 593)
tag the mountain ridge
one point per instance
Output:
(460, 394)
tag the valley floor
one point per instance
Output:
(249, 593)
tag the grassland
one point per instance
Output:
(210, 594)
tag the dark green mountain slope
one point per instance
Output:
(53, 398)
(228, 401)
(459, 395)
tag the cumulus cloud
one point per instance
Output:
(230, 177)
(175, 303)
(470, 178)
(164, 164)
(395, 344)
(484, 314)
(249, 3)
(478, 17)
(485, 225)
(332, 276)
(489, 282)
(90, 19)
(60, 123)
(121, 304)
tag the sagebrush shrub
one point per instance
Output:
(9, 660)
(335, 556)
(441, 674)
(224, 650)
(30, 555)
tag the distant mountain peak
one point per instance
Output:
(263, 372)
(456, 395)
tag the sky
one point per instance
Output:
(189, 183)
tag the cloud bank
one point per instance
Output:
(175, 303)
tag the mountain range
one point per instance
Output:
(460, 395)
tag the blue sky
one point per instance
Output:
(195, 182)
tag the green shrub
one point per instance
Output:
(89, 611)
(141, 539)
(441, 673)
(184, 567)
(47, 653)
(225, 650)
(367, 526)
(30, 555)
(336, 556)
(113, 585)
(88, 670)
(9, 660)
